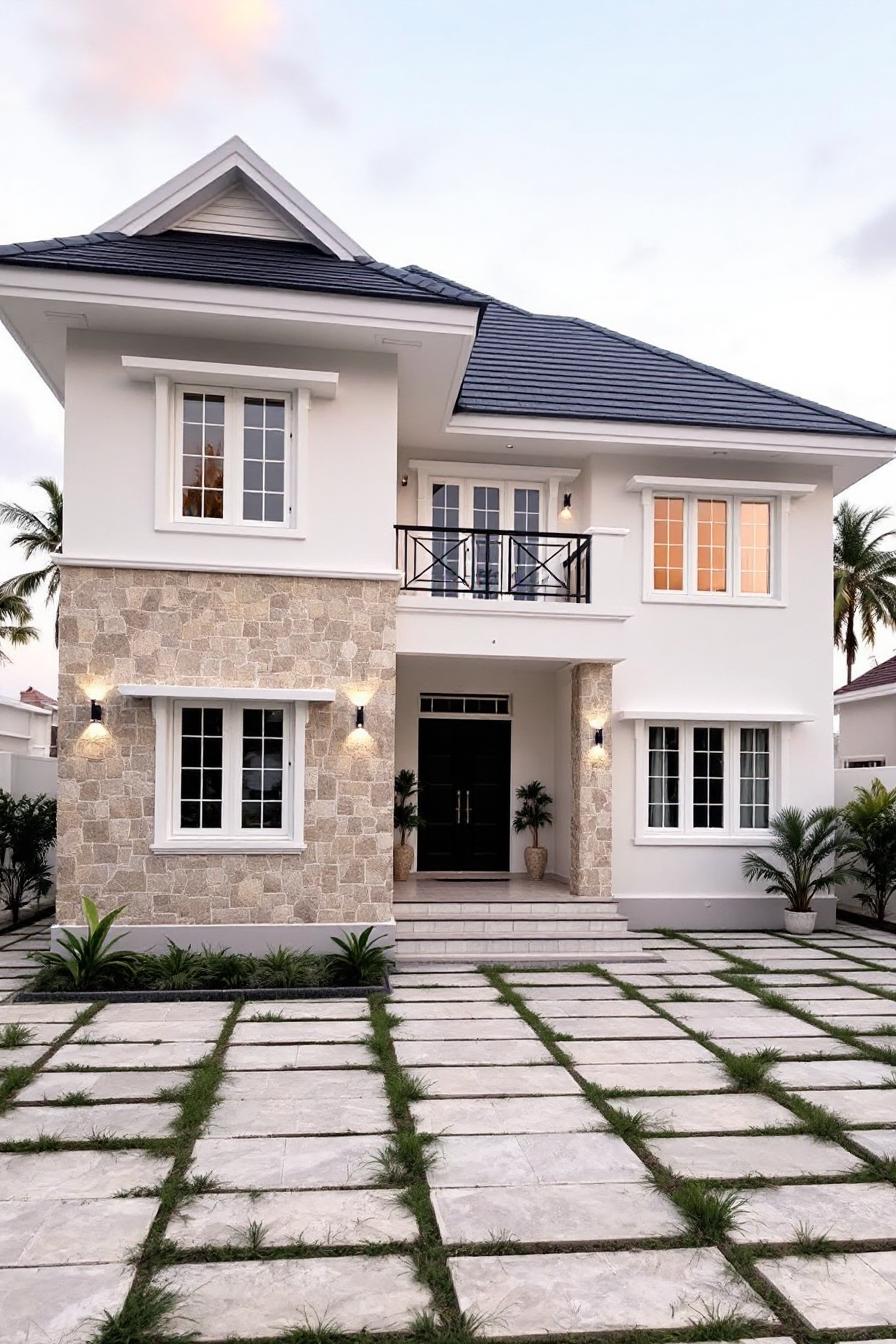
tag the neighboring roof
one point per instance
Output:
(876, 678)
(522, 363)
(37, 698)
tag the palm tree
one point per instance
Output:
(864, 578)
(15, 615)
(38, 534)
(808, 845)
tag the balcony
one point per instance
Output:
(488, 563)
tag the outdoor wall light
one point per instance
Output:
(96, 711)
(598, 737)
(359, 716)
(566, 511)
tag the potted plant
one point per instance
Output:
(406, 819)
(870, 841)
(808, 845)
(533, 814)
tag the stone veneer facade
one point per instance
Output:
(120, 626)
(591, 796)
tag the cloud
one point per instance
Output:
(115, 62)
(873, 245)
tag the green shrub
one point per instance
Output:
(27, 833)
(94, 961)
(360, 960)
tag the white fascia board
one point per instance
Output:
(8, 703)
(728, 485)
(870, 693)
(628, 434)
(215, 374)
(176, 198)
(715, 715)
(206, 297)
(242, 693)
(494, 470)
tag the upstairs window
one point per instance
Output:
(233, 458)
(711, 547)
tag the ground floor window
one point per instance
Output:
(705, 779)
(228, 774)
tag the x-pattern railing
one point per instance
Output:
(493, 562)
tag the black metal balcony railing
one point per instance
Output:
(491, 563)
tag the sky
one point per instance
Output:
(714, 176)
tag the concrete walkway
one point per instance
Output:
(578, 1151)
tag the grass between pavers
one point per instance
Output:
(14, 1078)
(709, 1213)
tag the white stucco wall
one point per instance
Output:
(868, 728)
(24, 729)
(110, 460)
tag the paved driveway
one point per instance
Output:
(523, 1154)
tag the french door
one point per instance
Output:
(471, 555)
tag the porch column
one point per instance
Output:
(591, 794)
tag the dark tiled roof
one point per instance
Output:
(522, 363)
(882, 675)
(230, 260)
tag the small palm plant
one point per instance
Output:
(808, 846)
(361, 960)
(91, 962)
(869, 821)
(533, 814)
(406, 819)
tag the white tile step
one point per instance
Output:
(505, 909)
(500, 928)
(522, 960)
(499, 947)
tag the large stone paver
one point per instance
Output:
(640, 1077)
(790, 1047)
(506, 1115)
(200, 1011)
(300, 1084)
(592, 1007)
(72, 1231)
(140, 1120)
(262, 1298)
(538, 994)
(825, 1073)
(60, 1304)
(244, 1118)
(615, 1028)
(857, 1105)
(80, 1174)
(314, 1217)
(849, 1291)
(339, 1056)
(412, 1053)
(302, 1163)
(133, 1055)
(581, 1291)
(542, 979)
(26, 1013)
(727, 1112)
(298, 1032)
(533, 1159)
(152, 1030)
(523, 1080)
(462, 995)
(465, 1029)
(464, 1012)
(676, 1051)
(555, 1213)
(115, 1086)
(767, 1025)
(880, 1142)
(38, 1033)
(851, 1211)
(771, 1155)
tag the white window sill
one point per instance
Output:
(274, 531)
(227, 847)
(762, 839)
(713, 600)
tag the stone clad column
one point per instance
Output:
(591, 794)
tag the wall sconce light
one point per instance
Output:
(598, 737)
(566, 511)
(404, 479)
(359, 716)
(96, 711)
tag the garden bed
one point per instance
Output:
(867, 921)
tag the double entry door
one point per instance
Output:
(464, 774)
(468, 559)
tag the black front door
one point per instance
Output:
(464, 772)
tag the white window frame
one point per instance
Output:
(733, 595)
(233, 521)
(170, 837)
(685, 833)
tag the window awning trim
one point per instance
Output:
(668, 715)
(318, 382)
(280, 694)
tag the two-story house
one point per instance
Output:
(327, 518)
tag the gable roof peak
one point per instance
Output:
(233, 164)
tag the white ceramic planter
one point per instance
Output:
(800, 921)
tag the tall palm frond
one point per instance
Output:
(864, 578)
(15, 626)
(37, 534)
